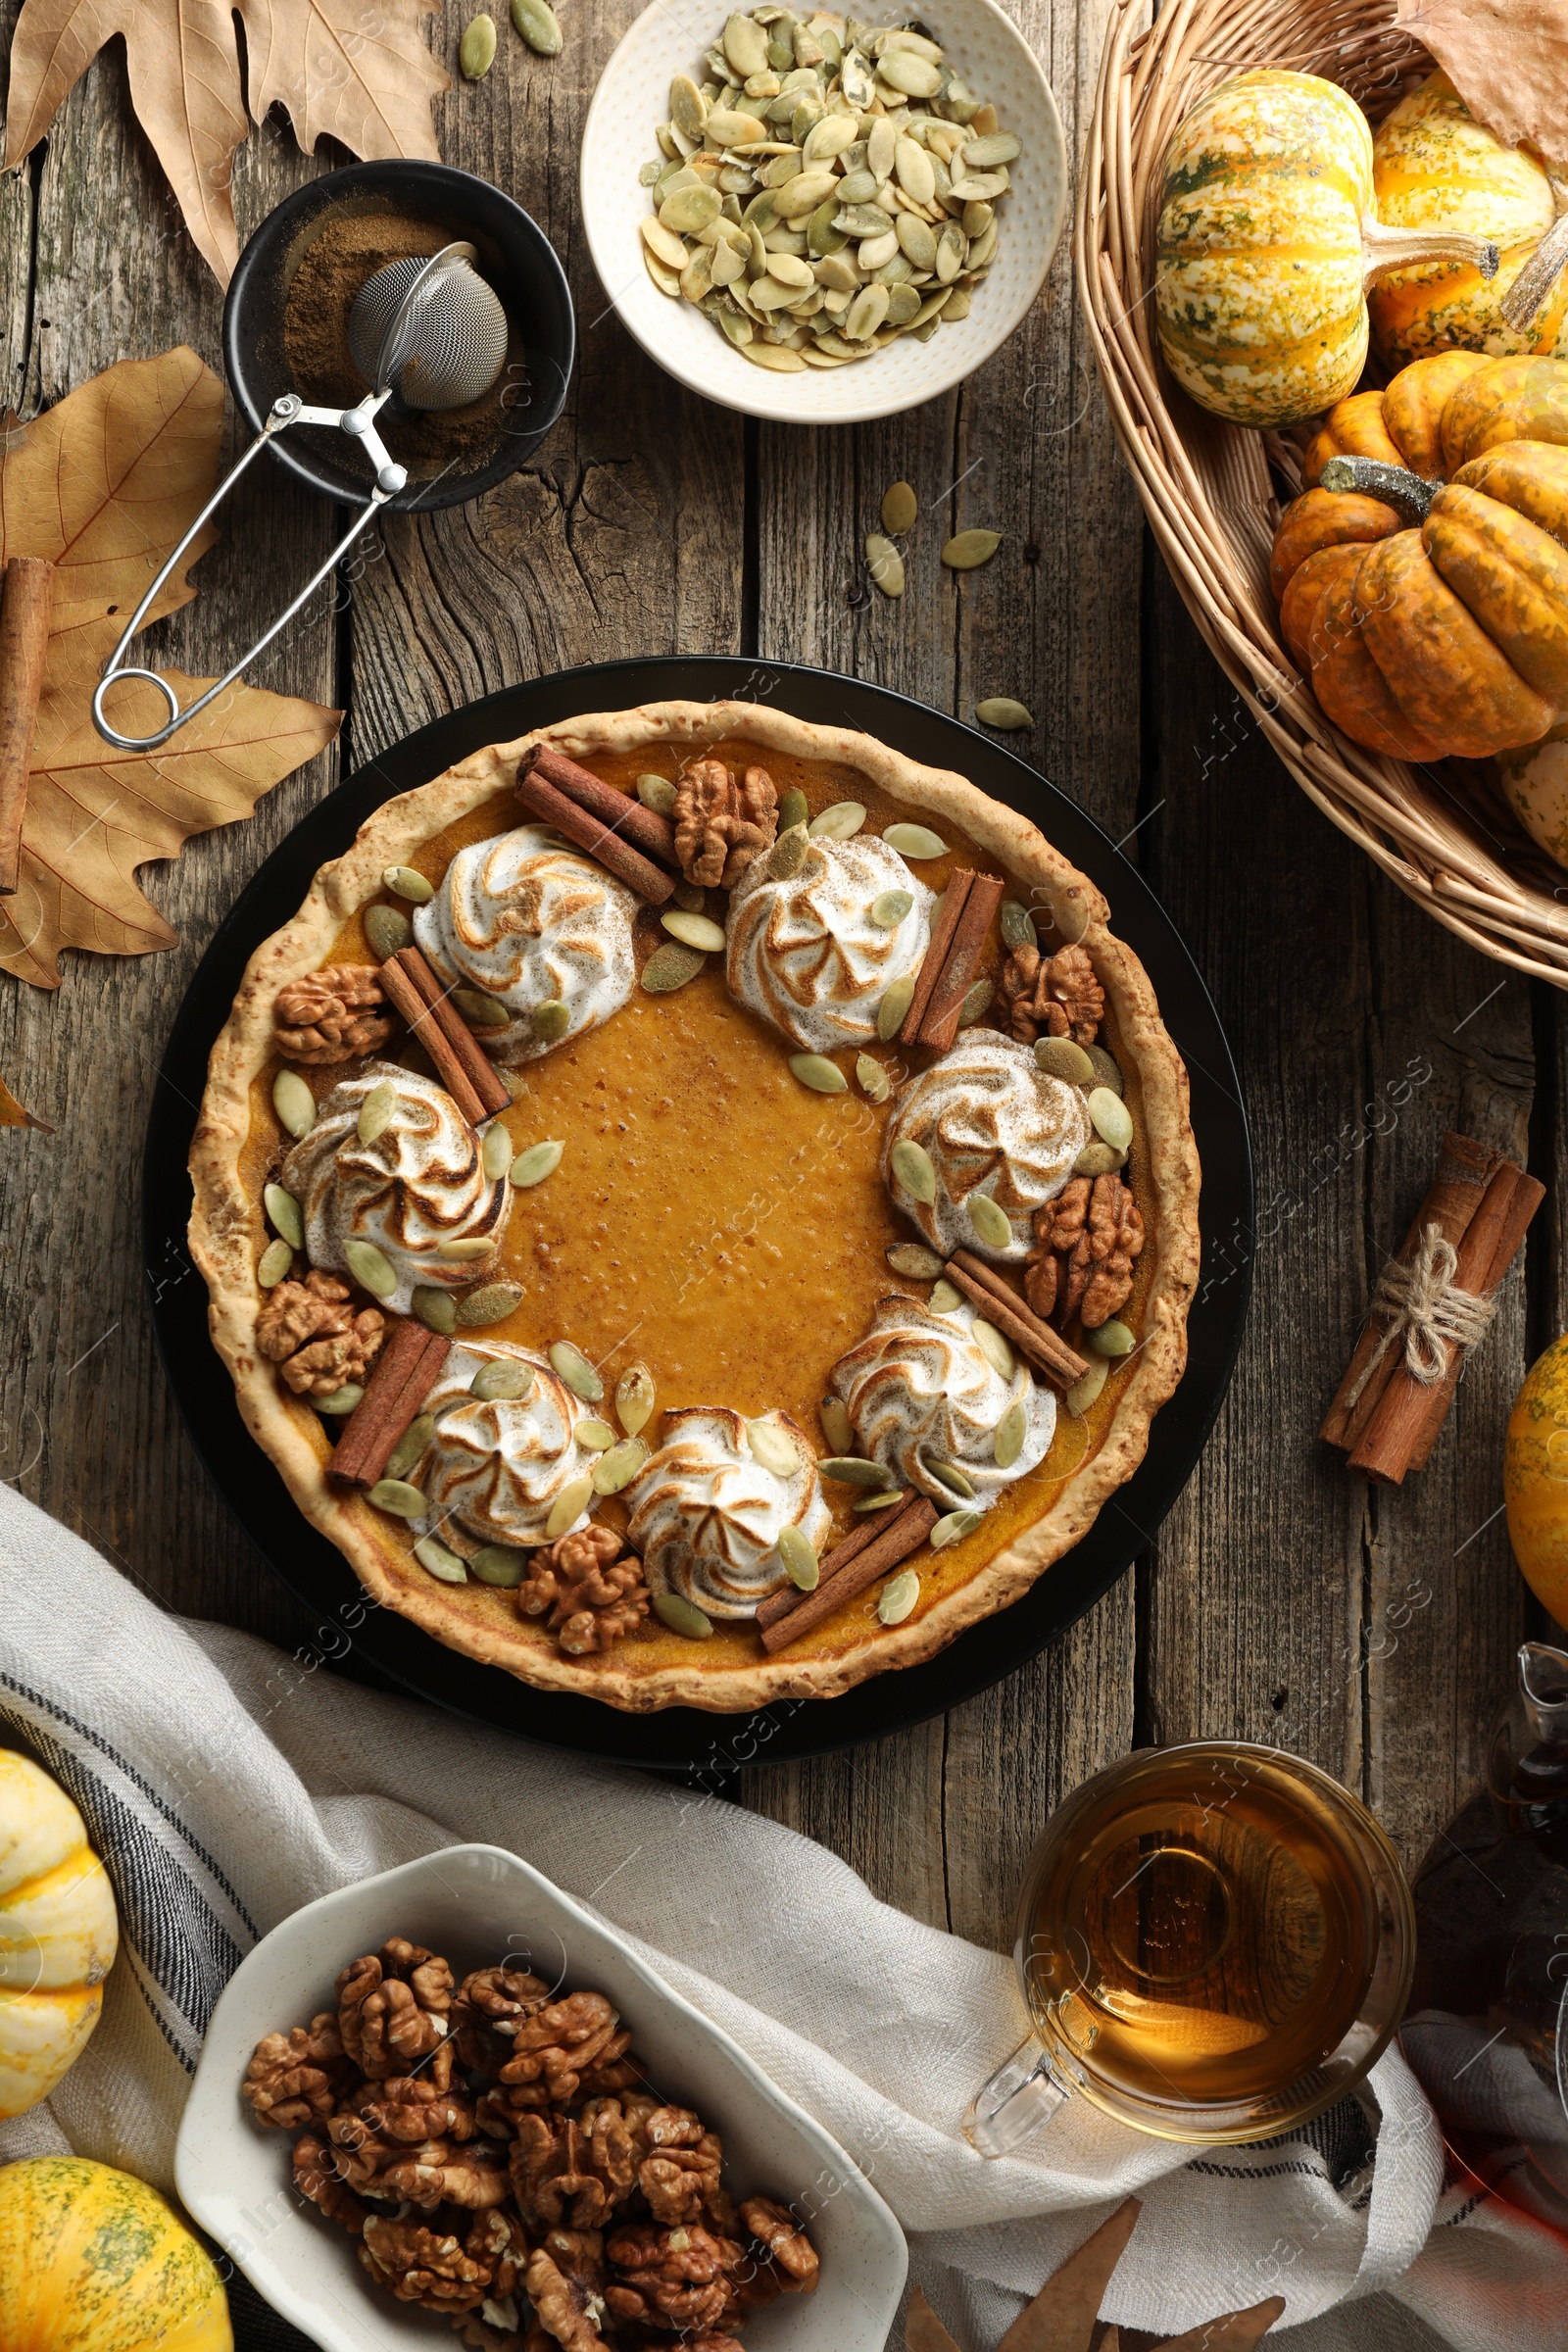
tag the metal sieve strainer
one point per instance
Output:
(433, 332)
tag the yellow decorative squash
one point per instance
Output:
(1535, 782)
(92, 2260)
(58, 1935)
(1266, 242)
(1434, 166)
(1535, 1478)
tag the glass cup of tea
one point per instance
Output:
(1215, 1941)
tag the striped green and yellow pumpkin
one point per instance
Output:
(92, 2260)
(1266, 242)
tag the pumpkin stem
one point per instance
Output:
(1536, 280)
(1385, 247)
(1409, 494)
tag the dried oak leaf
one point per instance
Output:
(13, 1114)
(1508, 61)
(368, 83)
(104, 484)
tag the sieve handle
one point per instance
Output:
(390, 479)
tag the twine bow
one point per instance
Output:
(1424, 1309)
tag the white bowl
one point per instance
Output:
(477, 1904)
(633, 98)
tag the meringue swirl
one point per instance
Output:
(804, 951)
(917, 1388)
(530, 922)
(419, 1184)
(991, 1122)
(496, 1467)
(707, 1514)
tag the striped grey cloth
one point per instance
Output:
(226, 1784)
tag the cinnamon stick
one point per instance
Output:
(1527, 1198)
(1463, 1171)
(619, 811)
(1399, 1426)
(590, 833)
(415, 991)
(868, 1531)
(25, 603)
(940, 1024)
(907, 1532)
(401, 1379)
(986, 1290)
(936, 954)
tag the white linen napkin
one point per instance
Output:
(226, 1784)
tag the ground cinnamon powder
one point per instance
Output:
(348, 248)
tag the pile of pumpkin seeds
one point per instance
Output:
(827, 187)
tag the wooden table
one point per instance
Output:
(1279, 1601)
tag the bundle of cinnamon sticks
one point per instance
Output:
(615, 830)
(957, 941)
(1383, 1416)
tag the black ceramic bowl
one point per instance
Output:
(515, 255)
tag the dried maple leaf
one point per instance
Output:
(104, 484)
(1508, 61)
(365, 77)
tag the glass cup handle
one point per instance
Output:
(1020, 2096)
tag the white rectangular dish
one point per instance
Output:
(477, 1905)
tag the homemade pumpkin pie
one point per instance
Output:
(698, 1207)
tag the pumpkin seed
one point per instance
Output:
(342, 1401)
(1000, 712)
(409, 1448)
(867, 311)
(899, 1597)
(917, 242)
(900, 507)
(968, 550)
(551, 1019)
(912, 1171)
(371, 1268)
(840, 822)
(873, 1077)
(887, 565)
(597, 1435)
(837, 1428)
(273, 1264)
(977, 1000)
(476, 52)
(657, 793)
(667, 280)
(990, 1222)
(568, 1506)
(688, 108)
(745, 44)
(880, 1503)
(774, 1449)
(914, 1259)
(492, 1303)
(1112, 1120)
(620, 1465)
(994, 1347)
(945, 1299)
(294, 1102)
(464, 1249)
(498, 1565)
(1059, 1057)
(682, 1616)
(689, 896)
(1017, 925)
(948, 1475)
(893, 1007)
(1098, 1159)
(798, 1558)
(635, 1399)
(405, 883)
(788, 853)
(953, 1528)
(479, 1010)
(1110, 1339)
(284, 1212)
(1105, 1070)
(910, 76)
(889, 910)
(793, 809)
(495, 1155)
(822, 1076)
(502, 1380)
(976, 218)
(396, 1496)
(387, 930)
(874, 255)
(538, 24)
(577, 1371)
(915, 841)
(902, 304)
(1006, 1438)
(998, 147)
(695, 931)
(663, 244)
(434, 1557)
(532, 1166)
(670, 967)
(850, 1470)
(1081, 1396)
(436, 1309)
(375, 1111)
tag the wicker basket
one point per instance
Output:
(1443, 833)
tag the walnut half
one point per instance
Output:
(1086, 1242)
(1052, 996)
(312, 1329)
(331, 1016)
(592, 1594)
(720, 823)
